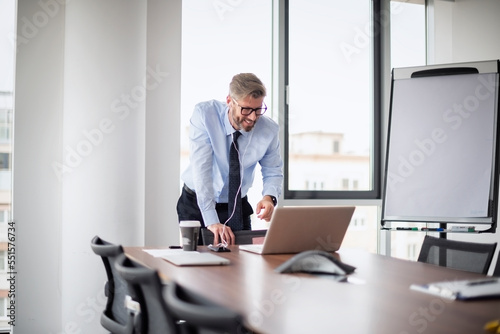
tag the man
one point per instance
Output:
(213, 132)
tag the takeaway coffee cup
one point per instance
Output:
(190, 229)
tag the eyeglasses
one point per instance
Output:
(246, 111)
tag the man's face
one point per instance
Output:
(237, 119)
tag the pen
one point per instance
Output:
(437, 229)
(481, 282)
(407, 228)
(175, 247)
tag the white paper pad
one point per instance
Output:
(183, 258)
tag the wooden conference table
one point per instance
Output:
(376, 299)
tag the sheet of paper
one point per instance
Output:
(163, 252)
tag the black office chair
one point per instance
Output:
(242, 237)
(200, 315)
(115, 318)
(461, 255)
(147, 288)
(496, 271)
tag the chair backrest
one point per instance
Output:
(461, 255)
(243, 237)
(115, 317)
(201, 315)
(147, 288)
(496, 271)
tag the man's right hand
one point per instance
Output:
(221, 232)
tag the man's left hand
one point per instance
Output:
(265, 208)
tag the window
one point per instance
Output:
(408, 48)
(412, 251)
(3, 260)
(336, 147)
(330, 121)
(408, 33)
(3, 307)
(4, 160)
(220, 39)
(5, 119)
(4, 216)
(345, 184)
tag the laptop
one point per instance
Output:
(299, 228)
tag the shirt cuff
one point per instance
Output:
(210, 217)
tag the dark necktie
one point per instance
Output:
(234, 192)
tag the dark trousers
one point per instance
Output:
(188, 209)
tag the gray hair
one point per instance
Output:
(246, 84)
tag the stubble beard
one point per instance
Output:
(242, 124)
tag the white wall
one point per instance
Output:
(86, 71)
(163, 131)
(37, 196)
(466, 30)
(476, 28)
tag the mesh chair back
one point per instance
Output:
(461, 255)
(201, 315)
(243, 237)
(146, 285)
(115, 316)
(496, 271)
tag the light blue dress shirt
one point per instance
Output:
(210, 136)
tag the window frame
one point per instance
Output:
(377, 83)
